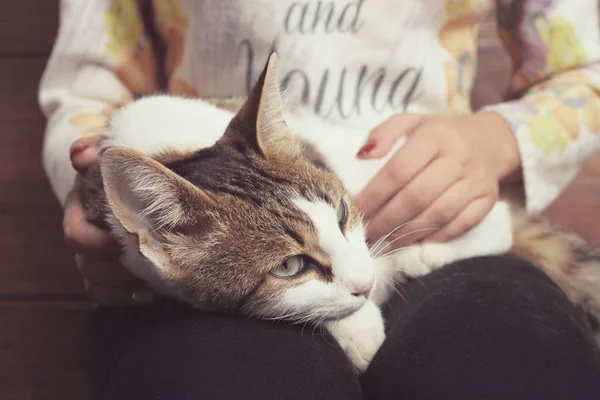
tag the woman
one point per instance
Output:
(484, 328)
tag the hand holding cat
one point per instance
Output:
(442, 182)
(96, 253)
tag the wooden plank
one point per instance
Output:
(28, 27)
(35, 259)
(44, 353)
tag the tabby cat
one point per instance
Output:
(255, 222)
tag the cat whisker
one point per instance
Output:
(306, 321)
(383, 238)
(281, 317)
(416, 278)
(395, 286)
(319, 326)
(406, 234)
(391, 253)
(395, 289)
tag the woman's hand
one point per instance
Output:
(442, 182)
(96, 252)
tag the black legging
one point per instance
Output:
(486, 328)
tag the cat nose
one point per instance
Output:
(364, 289)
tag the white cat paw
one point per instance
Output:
(419, 260)
(360, 335)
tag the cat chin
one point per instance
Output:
(332, 317)
(337, 313)
(345, 314)
(302, 313)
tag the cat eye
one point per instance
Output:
(342, 214)
(290, 267)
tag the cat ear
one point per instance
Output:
(259, 124)
(146, 197)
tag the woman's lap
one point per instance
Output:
(486, 328)
(483, 328)
(176, 353)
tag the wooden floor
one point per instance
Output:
(43, 310)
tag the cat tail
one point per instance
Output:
(567, 259)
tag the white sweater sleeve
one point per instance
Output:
(100, 61)
(555, 49)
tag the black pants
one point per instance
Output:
(486, 328)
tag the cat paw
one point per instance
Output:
(419, 260)
(360, 335)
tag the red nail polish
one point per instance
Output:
(364, 151)
(78, 149)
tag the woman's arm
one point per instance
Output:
(445, 179)
(100, 60)
(554, 113)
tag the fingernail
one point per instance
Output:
(142, 296)
(78, 149)
(364, 151)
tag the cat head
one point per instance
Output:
(248, 225)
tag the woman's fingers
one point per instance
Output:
(106, 281)
(416, 197)
(385, 135)
(465, 221)
(435, 187)
(83, 153)
(432, 224)
(81, 235)
(407, 163)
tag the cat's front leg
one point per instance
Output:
(360, 335)
(419, 260)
